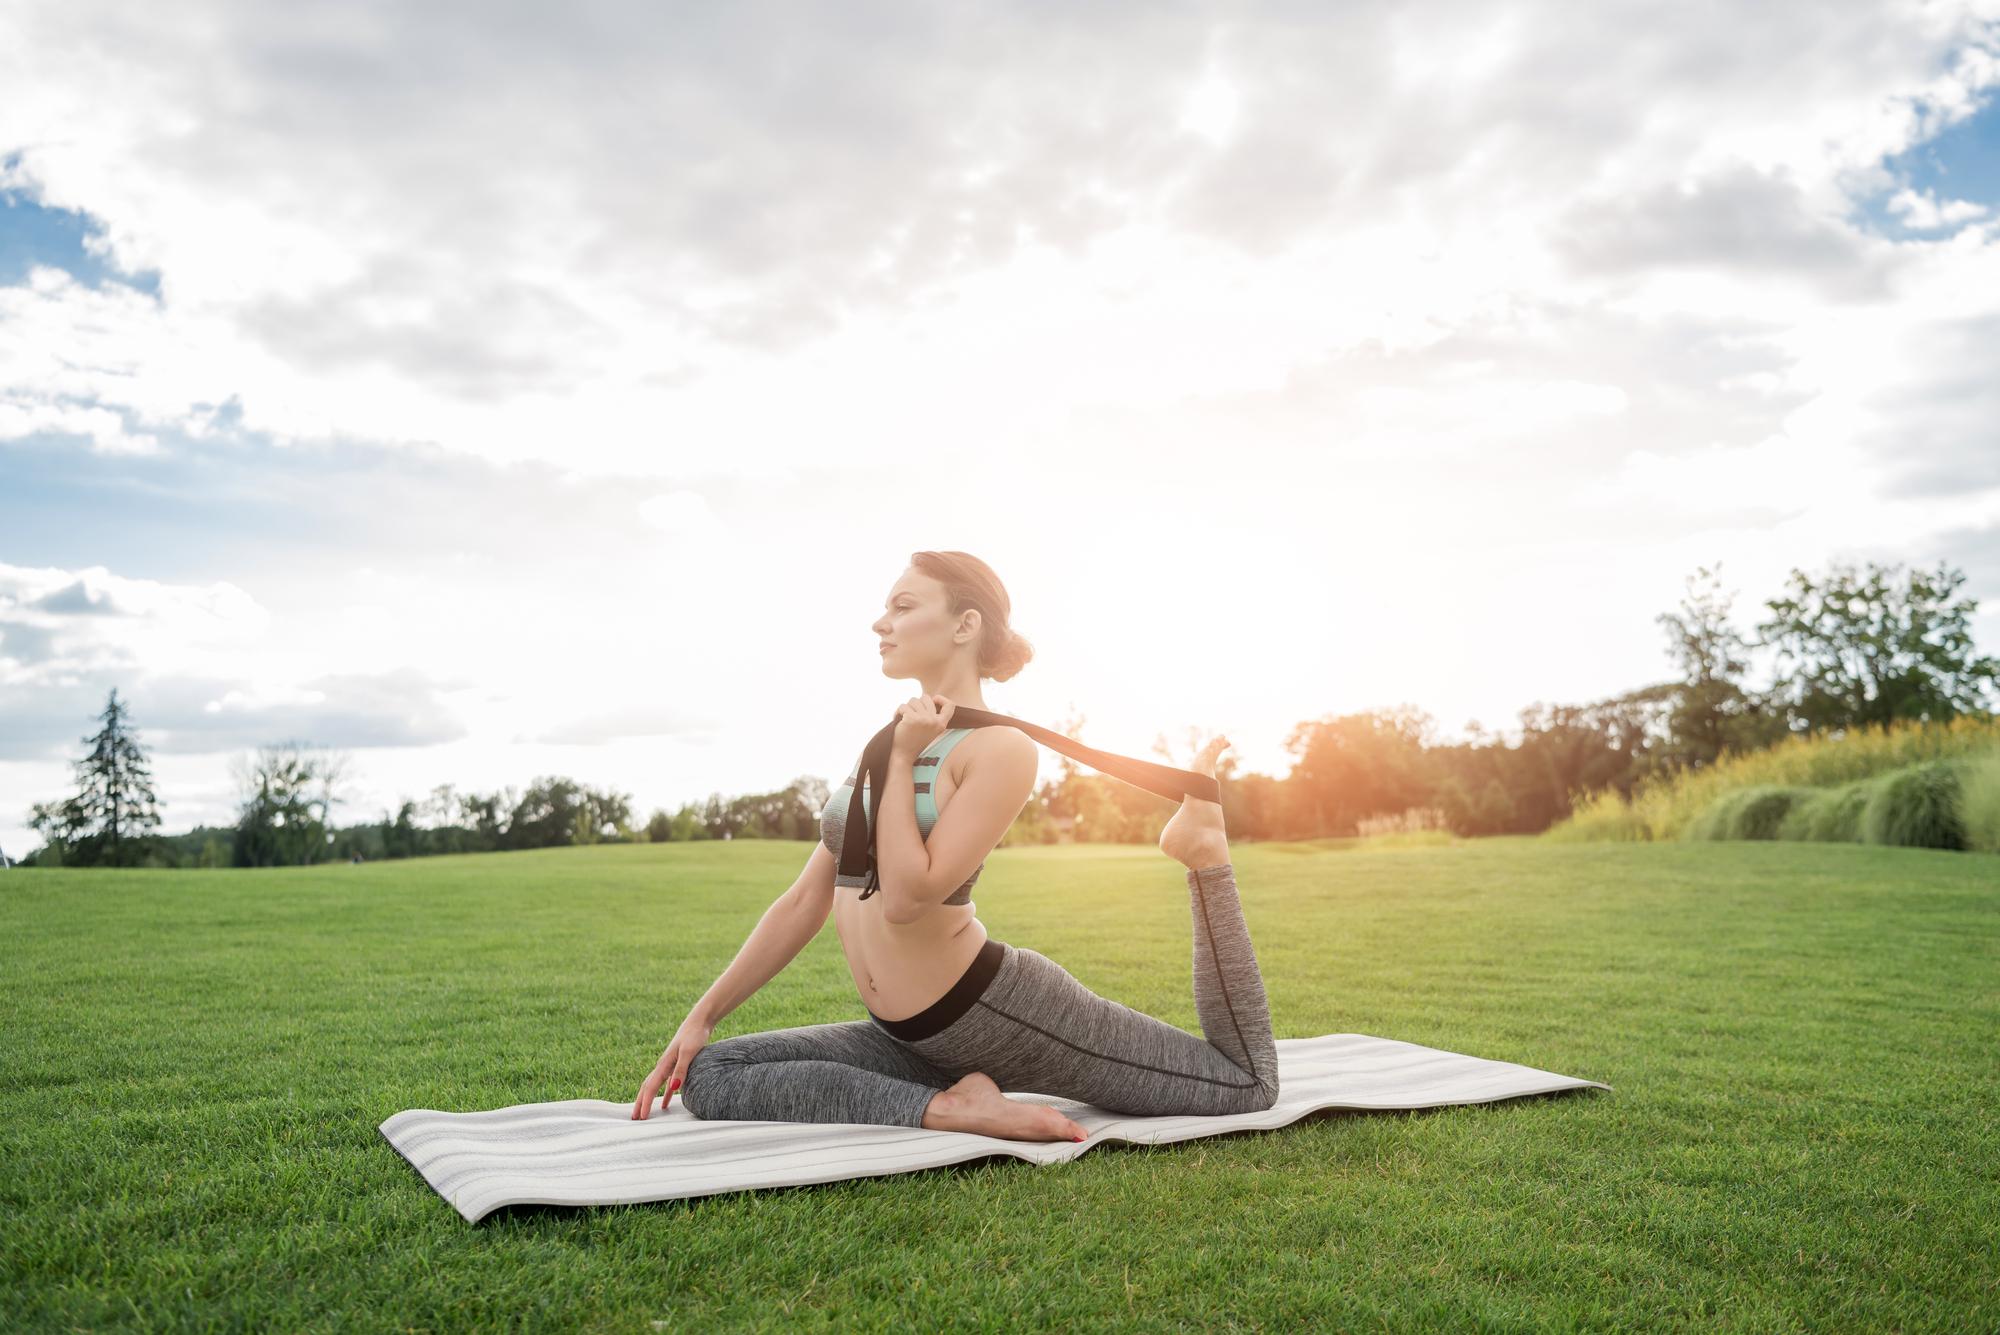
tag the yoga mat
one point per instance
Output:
(589, 1152)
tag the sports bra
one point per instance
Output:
(833, 821)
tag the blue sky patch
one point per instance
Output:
(1961, 165)
(32, 234)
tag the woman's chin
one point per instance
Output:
(897, 669)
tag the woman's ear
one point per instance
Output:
(968, 627)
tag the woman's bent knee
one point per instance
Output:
(700, 1086)
(1258, 1098)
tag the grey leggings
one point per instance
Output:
(1034, 1029)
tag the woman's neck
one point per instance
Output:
(959, 684)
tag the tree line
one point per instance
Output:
(289, 792)
(1851, 648)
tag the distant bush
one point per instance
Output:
(1916, 808)
(1979, 805)
(1749, 813)
(1829, 815)
(1919, 806)
(1664, 807)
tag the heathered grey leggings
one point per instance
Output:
(1035, 1029)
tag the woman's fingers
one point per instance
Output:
(642, 1108)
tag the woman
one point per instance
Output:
(956, 1018)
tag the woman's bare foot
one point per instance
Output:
(1195, 837)
(976, 1105)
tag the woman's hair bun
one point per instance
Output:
(970, 582)
(1008, 659)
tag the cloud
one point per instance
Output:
(1926, 213)
(353, 710)
(78, 599)
(599, 729)
(1939, 430)
(177, 653)
(1740, 220)
(193, 716)
(480, 339)
(1977, 552)
(680, 513)
(1575, 388)
(106, 429)
(755, 174)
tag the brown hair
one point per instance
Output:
(970, 582)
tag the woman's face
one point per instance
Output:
(919, 632)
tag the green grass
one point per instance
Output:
(1802, 1038)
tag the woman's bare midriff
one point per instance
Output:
(902, 971)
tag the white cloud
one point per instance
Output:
(1925, 213)
(357, 235)
(680, 513)
(1213, 108)
(599, 729)
(194, 660)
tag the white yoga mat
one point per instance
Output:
(589, 1152)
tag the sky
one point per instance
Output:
(494, 391)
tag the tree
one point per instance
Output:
(1859, 647)
(688, 825)
(288, 793)
(1709, 712)
(790, 813)
(1361, 765)
(556, 813)
(107, 823)
(1491, 787)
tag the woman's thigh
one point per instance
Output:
(1038, 1030)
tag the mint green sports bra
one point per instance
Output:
(833, 821)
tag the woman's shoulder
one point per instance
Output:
(1008, 746)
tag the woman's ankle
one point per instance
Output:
(1206, 854)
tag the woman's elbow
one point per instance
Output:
(899, 911)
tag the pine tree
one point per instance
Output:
(107, 822)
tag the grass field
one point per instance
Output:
(1802, 1037)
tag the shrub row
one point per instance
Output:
(1943, 804)
(1667, 807)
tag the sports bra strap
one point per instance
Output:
(929, 764)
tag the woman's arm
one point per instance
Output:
(792, 920)
(916, 875)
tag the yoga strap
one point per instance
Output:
(857, 856)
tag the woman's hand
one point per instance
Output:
(689, 1039)
(919, 722)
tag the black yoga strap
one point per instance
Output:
(857, 856)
